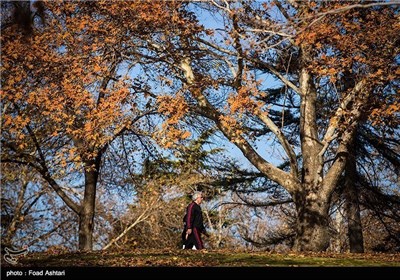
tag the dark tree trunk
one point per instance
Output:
(355, 234)
(86, 215)
(312, 224)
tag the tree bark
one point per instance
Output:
(86, 214)
(312, 222)
(312, 197)
(355, 234)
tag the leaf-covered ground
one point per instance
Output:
(210, 258)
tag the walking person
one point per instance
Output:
(193, 224)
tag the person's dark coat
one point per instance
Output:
(193, 220)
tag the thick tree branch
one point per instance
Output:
(347, 136)
(282, 139)
(238, 46)
(46, 175)
(335, 120)
(258, 203)
(275, 174)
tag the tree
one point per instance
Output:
(163, 190)
(66, 94)
(307, 48)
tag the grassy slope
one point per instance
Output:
(183, 258)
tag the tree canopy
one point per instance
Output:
(87, 87)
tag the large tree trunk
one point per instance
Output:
(86, 215)
(312, 223)
(355, 234)
(312, 203)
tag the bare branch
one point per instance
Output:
(145, 214)
(346, 8)
(272, 70)
(258, 204)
